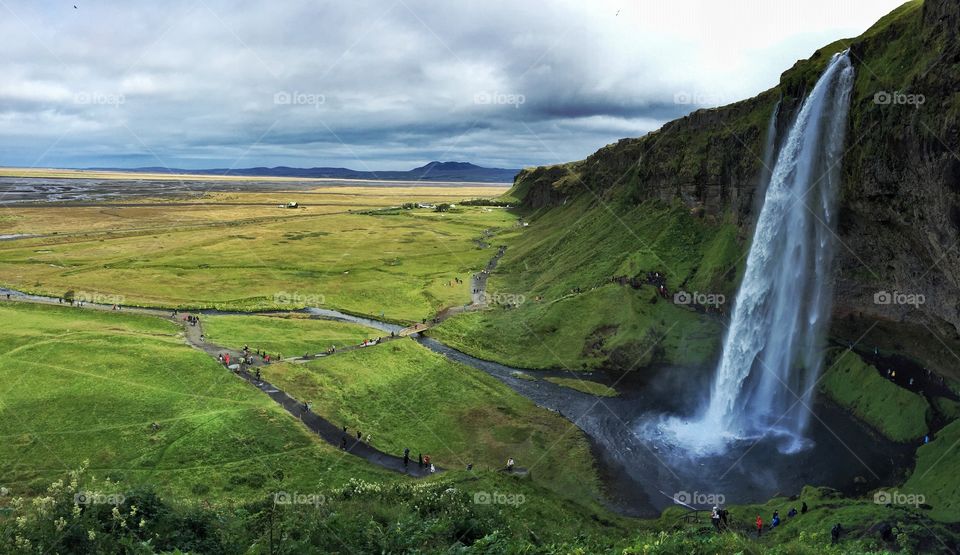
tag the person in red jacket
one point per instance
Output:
(759, 525)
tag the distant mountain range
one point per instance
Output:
(434, 171)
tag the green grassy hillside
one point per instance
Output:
(406, 396)
(81, 385)
(573, 316)
(895, 412)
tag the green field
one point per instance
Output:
(81, 385)
(406, 396)
(287, 335)
(397, 265)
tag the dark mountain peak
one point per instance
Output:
(447, 166)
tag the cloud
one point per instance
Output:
(381, 84)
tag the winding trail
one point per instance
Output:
(326, 430)
(635, 466)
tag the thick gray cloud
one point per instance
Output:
(381, 84)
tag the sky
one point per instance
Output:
(386, 84)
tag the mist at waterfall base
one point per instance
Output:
(773, 349)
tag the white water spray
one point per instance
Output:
(772, 353)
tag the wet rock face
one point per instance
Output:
(899, 222)
(901, 197)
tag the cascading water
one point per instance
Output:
(772, 352)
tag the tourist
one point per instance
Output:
(433, 469)
(759, 525)
(715, 517)
(469, 467)
(775, 521)
(426, 461)
(343, 443)
(359, 435)
(803, 508)
(835, 533)
(420, 459)
(406, 456)
(792, 513)
(510, 464)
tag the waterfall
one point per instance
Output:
(772, 351)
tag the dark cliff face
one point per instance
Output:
(900, 204)
(900, 219)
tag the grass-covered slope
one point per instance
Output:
(897, 413)
(125, 393)
(936, 475)
(406, 396)
(573, 315)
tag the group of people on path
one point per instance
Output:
(776, 521)
(343, 440)
(423, 461)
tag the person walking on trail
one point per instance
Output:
(420, 459)
(406, 456)
(343, 443)
(433, 469)
(359, 435)
(510, 464)
(803, 508)
(759, 525)
(715, 517)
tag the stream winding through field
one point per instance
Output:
(641, 476)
